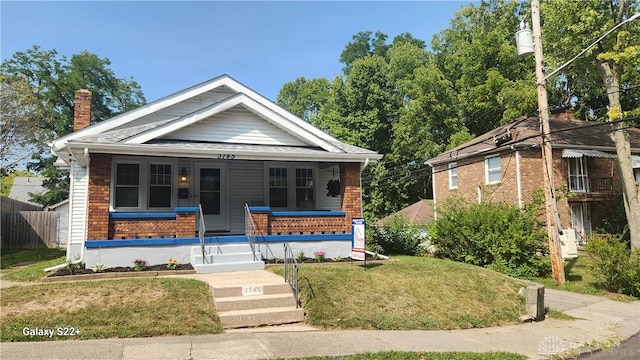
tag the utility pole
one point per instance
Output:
(557, 266)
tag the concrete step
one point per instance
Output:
(261, 317)
(234, 303)
(222, 249)
(223, 258)
(227, 267)
(251, 289)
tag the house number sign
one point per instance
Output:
(252, 290)
(226, 156)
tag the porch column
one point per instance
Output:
(350, 193)
(186, 222)
(99, 188)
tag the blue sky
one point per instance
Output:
(167, 46)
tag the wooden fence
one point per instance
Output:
(26, 226)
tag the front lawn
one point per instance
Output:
(29, 265)
(400, 355)
(580, 279)
(411, 293)
(108, 309)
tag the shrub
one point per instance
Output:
(501, 237)
(398, 237)
(172, 264)
(615, 266)
(320, 255)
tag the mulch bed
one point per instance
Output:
(308, 260)
(119, 269)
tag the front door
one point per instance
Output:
(210, 190)
(581, 221)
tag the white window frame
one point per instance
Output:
(636, 173)
(488, 171)
(453, 174)
(144, 164)
(291, 182)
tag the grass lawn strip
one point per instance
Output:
(108, 309)
(413, 293)
(29, 265)
(400, 355)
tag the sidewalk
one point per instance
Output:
(601, 321)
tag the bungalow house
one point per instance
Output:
(207, 175)
(505, 165)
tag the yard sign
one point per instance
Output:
(357, 242)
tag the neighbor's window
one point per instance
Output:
(127, 185)
(278, 187)
(453, 176)
(304, 187)
(493, 171)
(159, 186)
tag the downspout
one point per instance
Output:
(518, 178)
(362, 167)
(433, 186)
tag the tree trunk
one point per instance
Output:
(611, 76)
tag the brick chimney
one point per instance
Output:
(82, 109)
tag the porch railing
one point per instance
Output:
(584, 184)
(291, 272)
(201, 231)
(251, 230)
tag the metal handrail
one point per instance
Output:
(250, 230)
(201, 231)
(291, 272)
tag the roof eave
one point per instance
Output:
(239, 154)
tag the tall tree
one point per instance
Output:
(53, 81)
(606, 75)
(478, 55)
(305, 97)
(21, 121)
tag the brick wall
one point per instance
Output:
(471, 177)
(185, 224)
(286, 225)
(350, 199)
(143, 228)
(99, 188)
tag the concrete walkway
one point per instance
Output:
(600, 322)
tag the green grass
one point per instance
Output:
(412, 293)
(15, 257)
(110, 309)
(579, 279)
(400, 355)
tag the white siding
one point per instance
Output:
(79, 178)
(246, 185)
(184, 107)
(237, 125)
(324, 202)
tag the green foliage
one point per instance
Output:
(501, 237)
(615, 265)
(50, 81)
(397, 237)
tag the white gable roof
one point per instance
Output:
(220, 110)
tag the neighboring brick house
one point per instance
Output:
(505, 165)
(257, 171)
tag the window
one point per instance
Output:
(127, 190)
(290, 185)
(159, 186)
(304, 188)
(636, 173)
(278, 196)
(453, 176)
(141, 183)
(578, 180)
(493, 170)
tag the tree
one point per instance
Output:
(53, 80)
(607, 74)
(478, 56)
(21, 121)
(305, 98)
